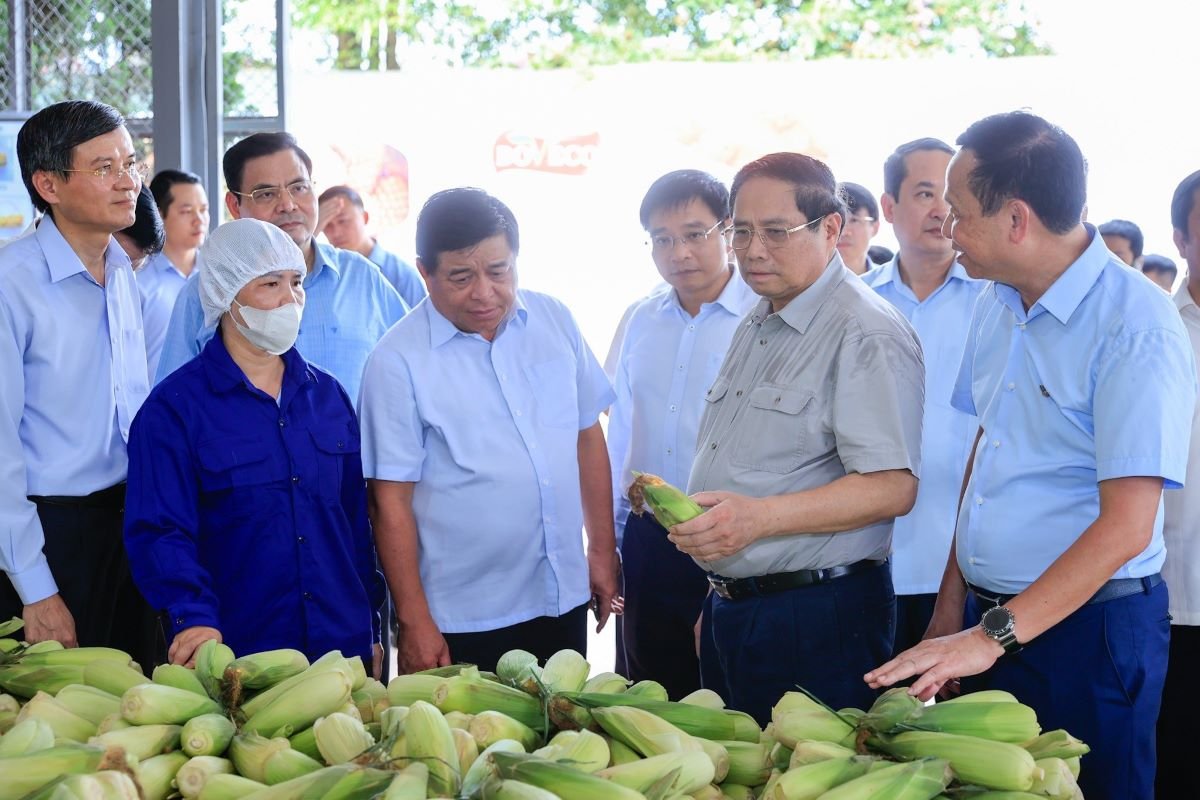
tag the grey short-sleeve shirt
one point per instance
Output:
(832, 384)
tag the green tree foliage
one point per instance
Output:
(382, 34)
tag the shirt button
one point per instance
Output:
(762, 341)
(971, 560)
(668, 451)
(739, 393)
(300, 539)
(341, 445)
(178, 621)
(1011, 386)
(681, 366)
(518, 412)
(295, 479)
(978, 501)
(308, 596)
(282, 422)
(503, 377)
(714, 445)
(672, 408)
(1021, 325)
(996, 443)
(691, 327)
(545, 482)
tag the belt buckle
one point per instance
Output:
(719, 586)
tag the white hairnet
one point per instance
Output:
(237, 253)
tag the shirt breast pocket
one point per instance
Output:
(232, 470)
(773, 434)
(333, 445)
(555, 392)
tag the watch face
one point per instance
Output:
(996, 621)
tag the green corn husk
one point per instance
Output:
(65, 724)
(358, 673)
(249, 753)
(691, 771)
(81, 656)
(404, 690)
(708, 723)
(668, 503)
(736, 791)
(212, 657)
(7, 720)
(621, 753)
(489, 727)
(156, 774)
(705, 698)
(22, 775)
(515, 790)
(142, 741)
(285, 764)
(1056, 782)
(430, 742)
(303, 704)
(331, 661)
(1056, 744)
(112, 722)
(1073, 765)
(179, 677)
(781, 754)
(514, 665)
(106, 785)
(749, 763)
(261, 670)
(457, 719)
(340, 738)
(651, 690)
(797, 716)
(207, 735)
(47, 646)
(532, 684)
(27, 680)
(718, 755)
(644, 732)
(467, 749)
(889, 710)
(583, 750)
(811, 751)
(27, 736)
(983, 696)
(410, 783)
(229, 787)
(565, 671)
(996, 765)
(156, 704)
(9, 703)
(114, 678)
(1002, 722)
(366, 698)
(560, 779)
(306, 742)
(810, 781)
(193, 775)
(472, 695)
(917, 780)
(481, 770)
(606, 683)
(88, 702)
(392, 721)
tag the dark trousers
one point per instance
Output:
(1176, 718)
(664, 593)
(542, 636)
(913, 612)
(85, 547)
(1099, 674)
(823, 638)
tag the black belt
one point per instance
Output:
(1112, 590)
(112, 498)
(741, 588)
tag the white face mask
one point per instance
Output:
(273, 330)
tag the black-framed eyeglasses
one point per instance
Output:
(740, 236)
(664, 243)
(136, 171)
(270, 195)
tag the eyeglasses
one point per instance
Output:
(855, 220)
(691, 240)
(740, 236)
(137, 172)
(270, 195)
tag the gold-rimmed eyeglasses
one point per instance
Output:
(135, 171)
(270, 195)
(663, 243)
(740, 236)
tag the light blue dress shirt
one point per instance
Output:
(488, 432)
(668, 359)
(72, 378)
(159, 283)
(403, 276)
(1096, 381)
(921, 538)
(348, 306)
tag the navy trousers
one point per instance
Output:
(823, 638)
(664, 593)
(913, 612)
(1099, 674)
(1176, 719)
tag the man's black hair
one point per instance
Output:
(354, 198)
(856, 196)
(1183, 201)
(1126, 230)
(816, 189)
(164, 179)
(47, 140)
(895, 169)
(1156, 263)
(257, 145)
(676, 189)
(879, 254)
(456, 219)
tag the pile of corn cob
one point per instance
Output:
(86, 723)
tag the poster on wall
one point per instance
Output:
(16, 211)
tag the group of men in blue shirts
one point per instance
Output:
(948, 470)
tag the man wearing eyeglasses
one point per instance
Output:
(862, 223)
(933, 291)
(72, 376)
(349, 306)
(808, 448)
(673, 345)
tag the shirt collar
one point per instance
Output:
(800, 311)
(442, 330)
(324, 255)
(1066, 293)
(62, 261)
(1183, 298)
(224, 375)
(731, 297)
(377, 252)
(890, 273)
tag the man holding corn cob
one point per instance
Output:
(808, 448)
(673, 345)
(484, 453)
(1083, 379)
